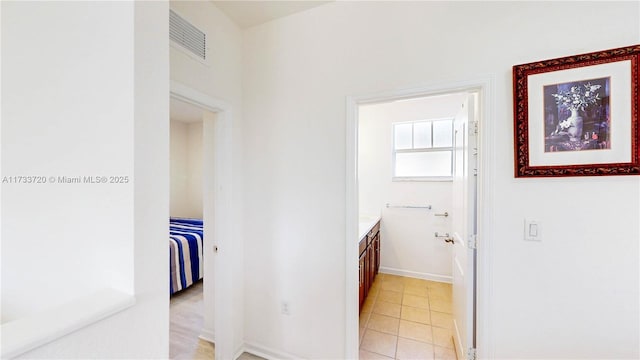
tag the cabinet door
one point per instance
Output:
(371, 261)
(361, 279)
(376, 247)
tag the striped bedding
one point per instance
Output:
(185, 252)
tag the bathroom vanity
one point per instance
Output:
(369, 263)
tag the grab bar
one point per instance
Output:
(445, 214)
(428, 207)
(446, 237)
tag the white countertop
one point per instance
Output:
(365, 224)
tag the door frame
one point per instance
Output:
(486, 168)
(217, 215)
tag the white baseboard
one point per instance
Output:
(268, 353)
(418, 275)
(239, 352)
(207, 335)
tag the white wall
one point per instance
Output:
(81, 100)
(409, 246)
(573, 295)
(186, 169)
(64, 136)
(219, 78)
(178, 169)
(194, 163)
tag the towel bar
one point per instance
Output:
(428, 207)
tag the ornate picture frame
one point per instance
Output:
(578, 115)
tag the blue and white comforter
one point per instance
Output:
(185, 252)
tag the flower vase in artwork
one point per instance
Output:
(575, 128)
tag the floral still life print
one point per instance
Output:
(577, 115)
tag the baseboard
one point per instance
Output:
(268, 353)
(207, 335)
(239, 351)
(418, 275)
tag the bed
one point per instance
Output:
(185, 253)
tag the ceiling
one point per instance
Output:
(245, 13)
(183, 112)
(251, 13)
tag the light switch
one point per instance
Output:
(531, 230)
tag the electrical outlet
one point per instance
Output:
(284, 308)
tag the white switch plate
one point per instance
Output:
(532, 230)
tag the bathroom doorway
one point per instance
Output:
(459, 327)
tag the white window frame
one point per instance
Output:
(413, 149)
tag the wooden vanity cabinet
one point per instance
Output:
(369, 261)
(376, 248)
(361, 278)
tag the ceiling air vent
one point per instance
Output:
(188, 36)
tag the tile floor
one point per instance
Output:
(406, 318)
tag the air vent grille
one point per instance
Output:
(188, 36)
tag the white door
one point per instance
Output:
(464, 228)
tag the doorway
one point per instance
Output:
(187, 240)
(218, 211)
(465, 341)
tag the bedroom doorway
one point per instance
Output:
(212, 309)
(187, 241)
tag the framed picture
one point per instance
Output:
(578, 115)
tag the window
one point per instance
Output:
(423, 150)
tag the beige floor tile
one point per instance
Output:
(442, 306)
(378, 279)
(361, 332)
(373, 291)
(364, 318)
(442, 353)
(386, 308)
(418, 311)
(379, 343)
(391, 277)
(413, 350)
(368, 304)
(385, 324)
(415, 301)
(394, 297)
(442, 320)
(392, 286)
(367, 307)
(375, 287)
(366, 355)
(439, 285)
(416, 290)
(443, 337)
(414, 282)
(440, 294)
(415, 331)
(416, 315)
